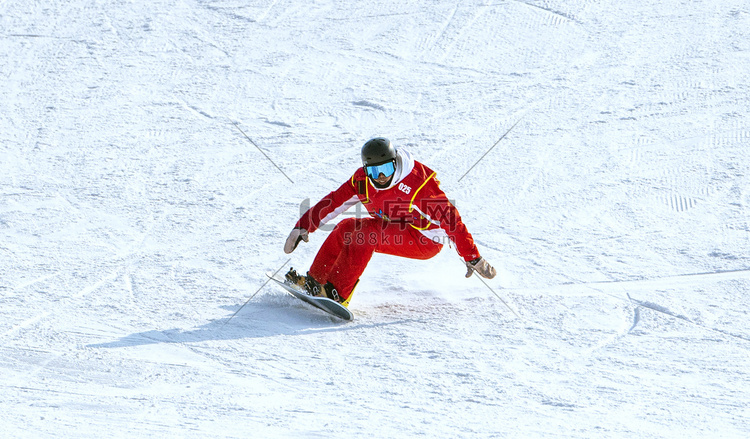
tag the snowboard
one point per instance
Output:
(323, 303)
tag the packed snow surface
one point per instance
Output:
(155, 155)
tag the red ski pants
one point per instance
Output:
(345, 253)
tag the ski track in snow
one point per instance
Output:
(137, 221)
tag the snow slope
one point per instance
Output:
(136, 218)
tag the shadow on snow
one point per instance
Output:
(257, 320)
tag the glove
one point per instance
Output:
(294, 238)
(480, 266)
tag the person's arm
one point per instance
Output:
(328, 208)
(435, 204)
(441, 211)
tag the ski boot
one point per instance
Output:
(331, 292)
(294, 278)
(312, 287)
(307, 284)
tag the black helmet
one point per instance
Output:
(378, 150)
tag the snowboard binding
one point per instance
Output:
(312, 287)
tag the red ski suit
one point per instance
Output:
(410, 219)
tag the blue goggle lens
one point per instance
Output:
(386, 169)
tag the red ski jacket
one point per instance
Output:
(414, 200)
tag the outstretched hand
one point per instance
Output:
(481, 266)
(294, 238)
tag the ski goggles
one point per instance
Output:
(387, 169)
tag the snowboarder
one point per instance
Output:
(410, 216)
